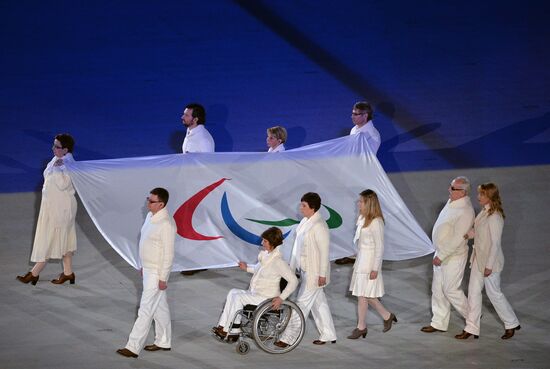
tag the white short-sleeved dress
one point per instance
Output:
(370, 248)
(55, 231)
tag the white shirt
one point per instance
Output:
(156, 243)
(198, 139)
(373, 138)
(279, 148)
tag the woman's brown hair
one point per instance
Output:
(490, 190)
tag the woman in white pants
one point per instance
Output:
(264, 283)
(366, 281)
(486, 265)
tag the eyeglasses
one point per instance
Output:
(456, 189)
(151, 201)
(56, 147)
(356, 114)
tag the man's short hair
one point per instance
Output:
(464, 184)
(313, 200)
(366, 107)
(274, 236)
(198, 112)
(161, 193)
(66, 141)
(278, 132)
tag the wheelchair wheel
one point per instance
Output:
(268, 325)
(242, 348)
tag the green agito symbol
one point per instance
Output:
(334, 220)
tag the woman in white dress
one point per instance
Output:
(366, 281)
(276, 137)
(486, 264)
(55, 236)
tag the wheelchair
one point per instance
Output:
(265, 325)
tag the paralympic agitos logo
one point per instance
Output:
(184, 218)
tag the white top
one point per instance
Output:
(198, 139)
(156, 244)
(487, 244)
(454, 221)
(370, 245)
(267, 275)
(311, 250)
(279, 148)
(373, 138)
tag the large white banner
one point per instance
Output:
(222, 202)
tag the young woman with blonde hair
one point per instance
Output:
(366, 281)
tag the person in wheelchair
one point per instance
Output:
(267, 274)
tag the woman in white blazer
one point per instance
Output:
(366, 280)
(264, 284)
(55, 236)
(486, 264)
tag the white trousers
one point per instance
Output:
(497, 298)
(313, 301)
(236, 299)
(153, 306)
(447, 290)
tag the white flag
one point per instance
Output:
(222, 202)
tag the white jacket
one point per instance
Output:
(268, 273)
(156, 244)
(487, 248)
(370, 246)
(454, 221)
(315, 247)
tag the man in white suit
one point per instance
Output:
(156, 251)
(310, 256)
(451, 254)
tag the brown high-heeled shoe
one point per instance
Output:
(28, 278)
(64, 278)
(388, 323)
(356, 333)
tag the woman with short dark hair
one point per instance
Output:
(55, 236)
(265, 282)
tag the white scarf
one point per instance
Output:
(304, 226)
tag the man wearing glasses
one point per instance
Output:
(361, 116)
(156, 252)
(451, 254)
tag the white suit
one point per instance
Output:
(156, 251)
(454, 221)
(487, 254)
(264, 285)
(310, 255)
